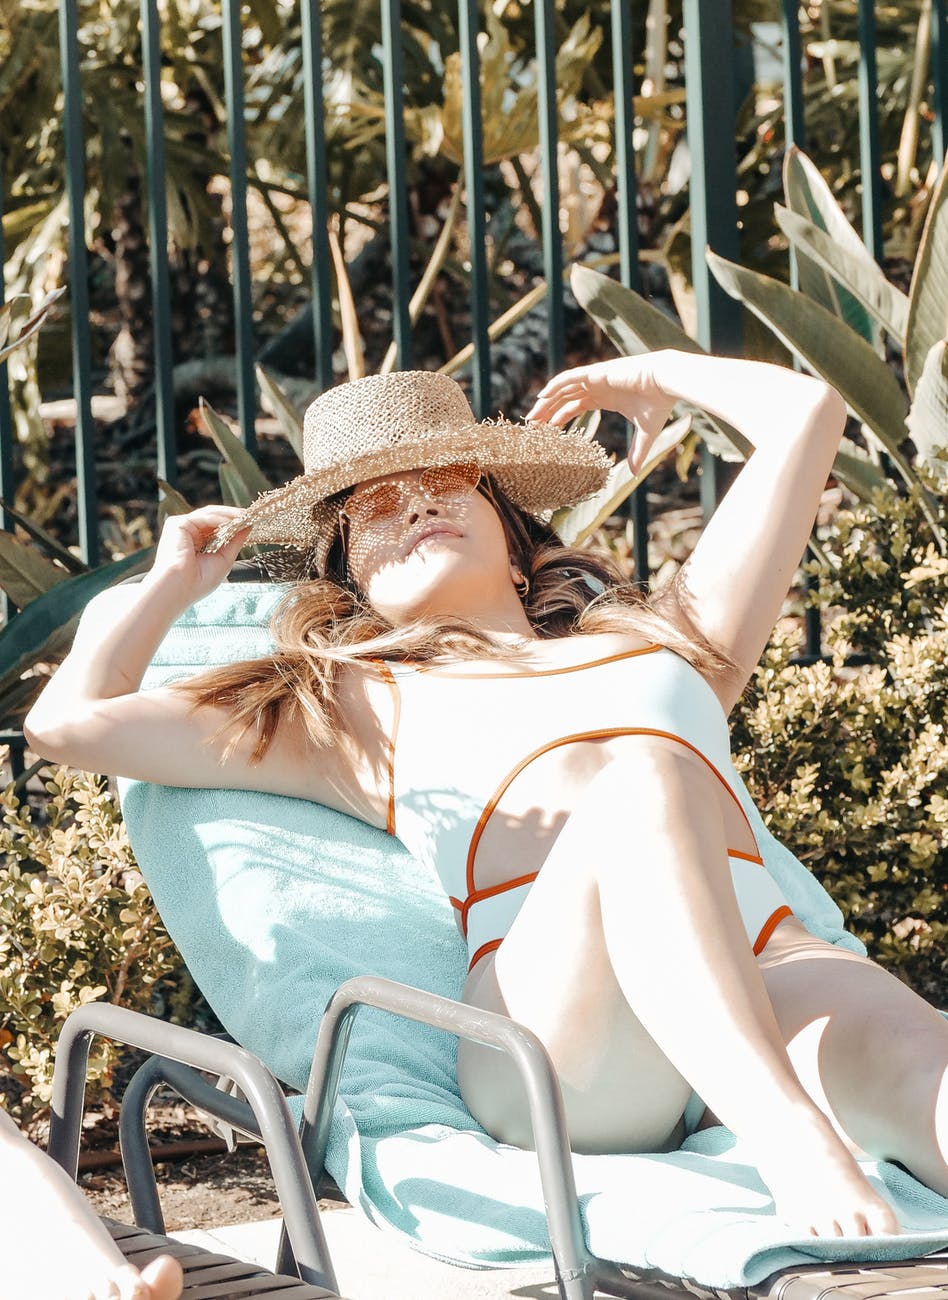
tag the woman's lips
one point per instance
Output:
(431, 530)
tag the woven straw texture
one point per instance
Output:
(385, 424)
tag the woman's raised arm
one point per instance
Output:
(93, 715)
(732, 587)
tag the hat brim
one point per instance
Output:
(539, 466)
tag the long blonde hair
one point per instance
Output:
(323, 623)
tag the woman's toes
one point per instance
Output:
(164, 1277)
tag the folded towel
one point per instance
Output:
(274, 901)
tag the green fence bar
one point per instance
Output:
(869, 131)
(628, 226)
(395, 167)
(623, 91)
(321, 278)
(939, 80)
(549, 139)
(712, 134)
(792, 73)
(476, 221)
(7, 484)
(240, 247)
(78, 281)
(158, 243)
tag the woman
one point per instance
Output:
(54, 1246)
(557, 748)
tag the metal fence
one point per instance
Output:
(711, 125)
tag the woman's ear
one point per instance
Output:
(519, 579)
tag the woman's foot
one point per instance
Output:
(819, 1189)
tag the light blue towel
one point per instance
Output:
(274, 901)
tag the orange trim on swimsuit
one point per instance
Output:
(767, 929)
(480, 894)
(746, 857)
(482, 951)
(389, 678)
(540, 672)
(760, 944)
(606, 733)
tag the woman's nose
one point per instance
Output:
(422, 505)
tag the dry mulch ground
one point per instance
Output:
(206, 1189)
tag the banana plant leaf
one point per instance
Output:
(234, 490)
(286, 413)
(24, 573)
(636, 327)
(808, 195)
(859, 274)
(17, 700)
(47, 624)
(576, 524)
(856, 470)
(46, 542)
(236, 456)
(928, 419)
(928, 292)
(172, 502)
(827, 347)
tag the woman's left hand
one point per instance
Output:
(625, 384)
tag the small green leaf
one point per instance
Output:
(288, 417)
(24, 573)
(859, 273)
(235, 453)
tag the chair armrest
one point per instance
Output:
(264, 1097)
(573, 1260)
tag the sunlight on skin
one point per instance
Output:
(40, 1207)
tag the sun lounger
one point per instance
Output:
(280, 907)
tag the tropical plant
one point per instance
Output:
(850, 767)
(837, 323)
(47, 583)
(77, 923)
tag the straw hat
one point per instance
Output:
(413, 419)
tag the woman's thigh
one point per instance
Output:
(553, 973)
(870, 1052)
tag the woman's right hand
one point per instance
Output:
(180, 555)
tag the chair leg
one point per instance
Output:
(133, 1144)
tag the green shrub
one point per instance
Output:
(850, 764)
(76, 924)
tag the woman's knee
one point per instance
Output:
(649, 767)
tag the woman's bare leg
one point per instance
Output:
(635, 906)
(53, 1245)
(869, 1051)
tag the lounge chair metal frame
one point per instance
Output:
(179, 1053)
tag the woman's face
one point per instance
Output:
(427, 543)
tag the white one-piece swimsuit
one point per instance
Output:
(468, 748)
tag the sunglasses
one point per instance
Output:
(382, 502)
